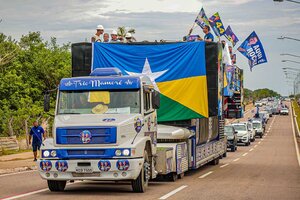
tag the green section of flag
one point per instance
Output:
(171, 110)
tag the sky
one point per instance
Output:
(75, 21)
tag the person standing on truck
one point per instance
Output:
(105, 37)
(114, 36)
(98, 35)
(37, 134)
(208, 37)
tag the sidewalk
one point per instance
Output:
(17, 162)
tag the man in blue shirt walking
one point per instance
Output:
(37, 134)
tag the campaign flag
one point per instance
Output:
(217, 25)
(202, 19)
(253, 49)
(183, 90)
(231, 37)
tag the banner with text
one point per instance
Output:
(202, 19)
(253, 49)
(217, 25)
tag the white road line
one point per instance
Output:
(173, 192)
(255, 146)
(245, 154)
(295, 141)
(31, 193)
(224, 165)
(23, 172)
(236, 159)
(259, 142)
(251, 149)
(205, 175)
(26, 194)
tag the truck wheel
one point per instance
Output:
(173, 176)
(180, 176)
(56, 186)
(232, 148)
(260, 136)
(225, 154)
(215, 161)
(140, 184)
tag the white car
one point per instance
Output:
(250, 130)
(243, 134)
(284, 111)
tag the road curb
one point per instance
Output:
(294, 122)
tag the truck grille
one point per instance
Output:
(86, 135)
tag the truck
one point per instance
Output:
(136, 112)
(233, 93)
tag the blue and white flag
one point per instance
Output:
(202, 19)
(231, 37)
(253, 49)
(216, 24)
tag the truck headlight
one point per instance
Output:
(126, 152)
(53, 153)
(118, 152)
(46, 153)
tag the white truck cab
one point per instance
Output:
(105, 128)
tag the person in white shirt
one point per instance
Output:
(98, 36)
(114, 36)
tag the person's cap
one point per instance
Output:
(128, 35)
(100, 27)
(114, 32)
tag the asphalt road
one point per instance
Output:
(267, 169)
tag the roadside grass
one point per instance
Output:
(297, 112)
(10, 152)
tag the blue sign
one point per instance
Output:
(61, 165)
(253, 49)
(104, 165)
(45, 165)
(97, 83)
(123, 165)
(231, 37)
(85, 136)
(217, 25)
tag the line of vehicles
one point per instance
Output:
(245, 132)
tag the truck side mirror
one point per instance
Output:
(155, 99)
(47, 102)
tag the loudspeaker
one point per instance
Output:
(81, 59)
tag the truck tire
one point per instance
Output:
(215, 161)
(140, 184)
(225, 154)
(173, 176)
(56, 186)
(180, 176)
(233, 148)
(260, 136)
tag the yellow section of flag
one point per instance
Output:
(190, 92)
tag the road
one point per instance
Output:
(267, 169)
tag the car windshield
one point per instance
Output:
(99, 102)
(239, 127)
(228, 130)
(256, 125)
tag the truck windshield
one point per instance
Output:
(240, 127)
(99, 102)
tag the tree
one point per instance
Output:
(37, 66)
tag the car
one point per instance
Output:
(232, 138)
(251, 130)
(243, 134)
(284, 111)
(258, 127)
(258, 103)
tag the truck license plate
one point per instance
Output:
(82, 170)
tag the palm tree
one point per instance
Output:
(122, 32)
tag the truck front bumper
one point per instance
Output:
(74, 169)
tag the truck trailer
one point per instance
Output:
(136, 112)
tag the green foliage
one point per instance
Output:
(36, 66)
(259, 94)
